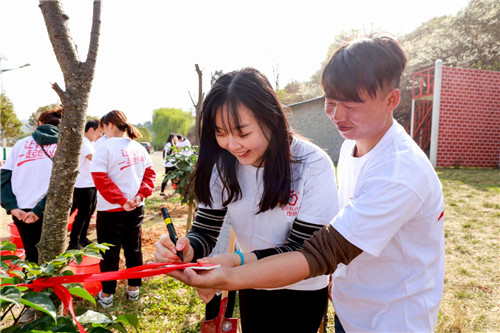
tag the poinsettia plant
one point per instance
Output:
(16, 292)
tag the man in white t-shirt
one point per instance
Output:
(85, 193)
(385, 247)
(183, 142)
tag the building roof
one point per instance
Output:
(305, 102)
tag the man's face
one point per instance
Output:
(365, 121)
(94, 134)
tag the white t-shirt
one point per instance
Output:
(84, 178)
(313, 199)
(166, 149)
(125, 162)
(392, 208)
(31, 170)
(100, 141)
(182, 144)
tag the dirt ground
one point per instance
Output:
(153, 226)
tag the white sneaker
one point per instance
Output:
(133, 295)
(105, 302)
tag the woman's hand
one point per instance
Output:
(166, 251)
(129, 205)
(19, 214)
(209, 281)
(31, 218)
(225, 260)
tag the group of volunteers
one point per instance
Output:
(369, 235)
(115, 175)
(376, 229)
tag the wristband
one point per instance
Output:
(242, 258)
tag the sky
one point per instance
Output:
(148, 48)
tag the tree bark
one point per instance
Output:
(198, 105)
(78, 78)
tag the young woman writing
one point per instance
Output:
(277, 188)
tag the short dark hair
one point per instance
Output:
(252, 89)
(365, 64)
(91, 123)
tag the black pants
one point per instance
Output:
(122, 229)
(30, 235)
(85, 200)
(282, 310)
(212, 308)
(164, 183)
(338, 325)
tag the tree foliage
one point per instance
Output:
(33, 119)
(11, 126)
(469, 39)
(146, 134)
(170, 120)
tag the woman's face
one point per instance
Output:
(108, 130)
(249, 146)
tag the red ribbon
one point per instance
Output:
(130, 273)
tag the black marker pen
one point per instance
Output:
(171, 229)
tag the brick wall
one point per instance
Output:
(469, 120)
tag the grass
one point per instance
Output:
(472, 228)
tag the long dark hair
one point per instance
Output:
(252, 89)
(119, 119)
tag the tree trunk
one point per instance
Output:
(198, 105)
(189, 217)
(78, 78)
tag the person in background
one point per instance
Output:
(124, 176)
(103, 137)
(169, 166)
(25, 179)
(183, 142)
(385, 247)
(277, 188)
(85, 193)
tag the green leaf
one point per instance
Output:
(10, 294)
(119, 327)
(129, 319)
(99, 330)
(93, 317)
(82, 293)
(9, 257)
(40, 302)
(8, 246)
